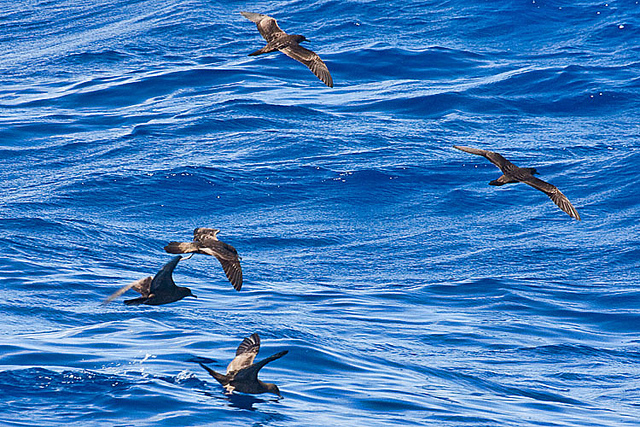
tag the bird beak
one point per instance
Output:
(195, 296)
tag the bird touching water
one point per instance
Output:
(242, 373)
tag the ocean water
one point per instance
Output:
(406, 289)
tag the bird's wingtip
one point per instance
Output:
(282, 353)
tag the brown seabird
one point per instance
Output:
(512, 173)
(289, 44)
(242, 373)
(157, 290)
(205, 241)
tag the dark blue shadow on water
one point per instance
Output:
(240, 401)
(199, 359)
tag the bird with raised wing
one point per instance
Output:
(289, 44)
(205, 241)
(242, 373)
(512, 173)
(157, 290)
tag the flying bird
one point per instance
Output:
(205, 241)
(289, 44)
(512, 173)
(157, 290)
(242, 373)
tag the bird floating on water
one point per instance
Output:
(205, 241)
(512, 173)
(289, 44)
(242, 373)
(157, 290)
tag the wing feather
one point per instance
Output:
(246, 353)
(222, 379)
(311, 60)
(267, 26)
(163, 280)
(250, 373)
(503, 164)
(233, 272)
(228, 257)
(554, 194)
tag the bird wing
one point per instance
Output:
(250, 373)
(163, 280)
(245, 354)
(142, 286)
(233, 271)
(222, 379)
(554, 194)
(267, 26)
(228, 257)
(181, 247)
(503, 164)
(311, 60)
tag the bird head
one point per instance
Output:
(186, 292)
(533, 171)
(272, 388)
(200, 230)
(301, 39)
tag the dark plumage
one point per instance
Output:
(205, 241)
(158, 290)
(512, 173)
(242, 373)
(289, 44)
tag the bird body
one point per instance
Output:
(205, 241)
(289, 44)
(242, 373)
(512, 174)
(157, 290)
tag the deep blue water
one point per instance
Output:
(407, 290)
